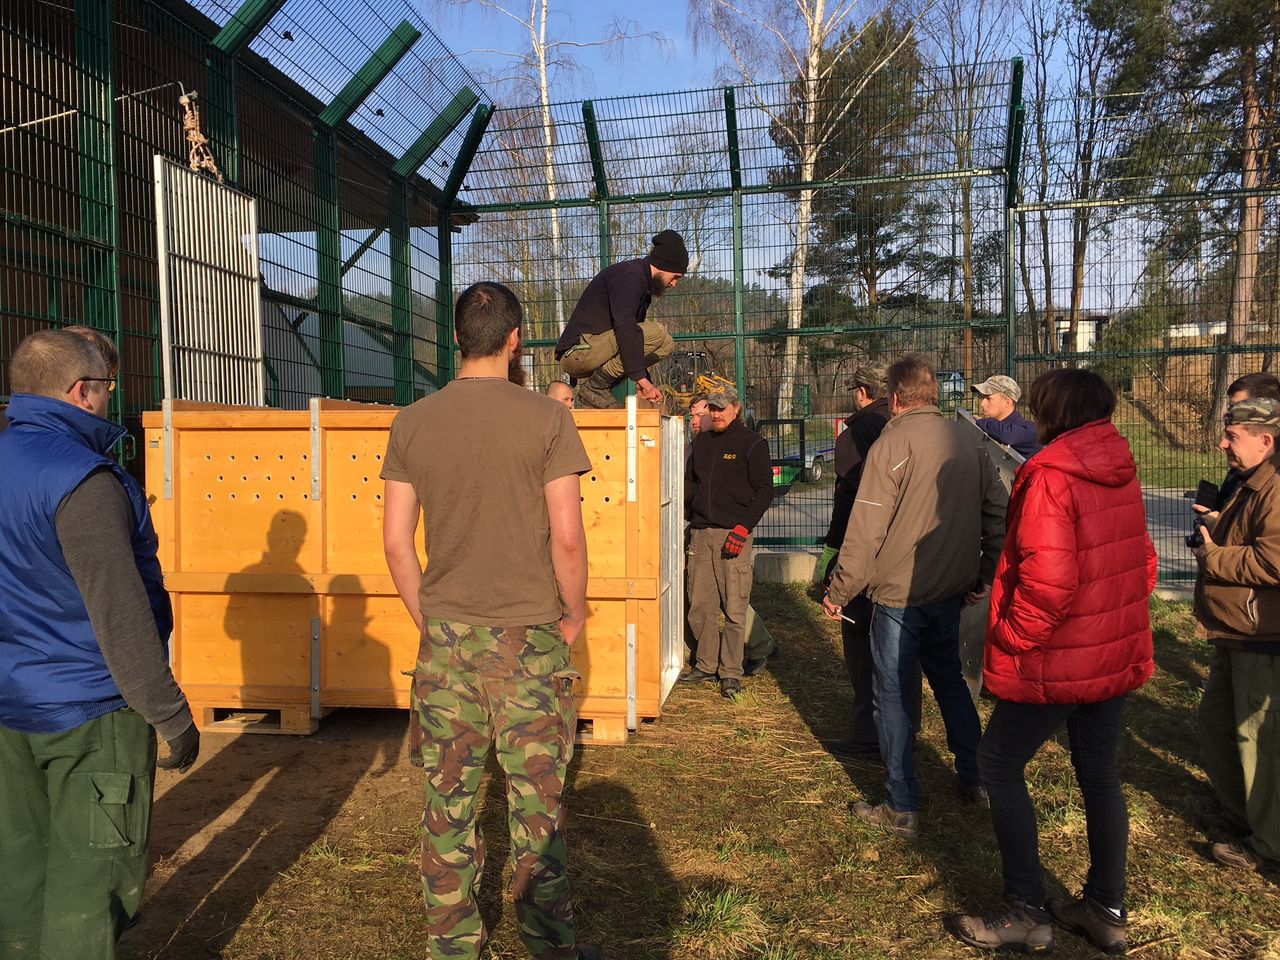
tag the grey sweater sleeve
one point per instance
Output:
(95, 524)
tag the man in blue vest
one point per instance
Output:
(84, 664)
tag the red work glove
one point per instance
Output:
(734, 542)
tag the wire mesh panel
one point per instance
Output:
(1134, 258)
(210, 323)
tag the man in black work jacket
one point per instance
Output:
(861, 430)
(608, 339)
(728, 487)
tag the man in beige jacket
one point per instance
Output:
(922, 541)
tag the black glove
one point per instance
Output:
(734, 542)
(183, 750)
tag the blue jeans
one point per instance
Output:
(930, 635)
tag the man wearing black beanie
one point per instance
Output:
(608, 339)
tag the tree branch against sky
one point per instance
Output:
(797, 42)
(532, 68)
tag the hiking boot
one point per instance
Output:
(588, 952)
(904, 823)
(1237, 856)
(731, 688)
(694, 675)
(1105, 930)
(751, 667)
(975, 797)
(851, 748)
(1013, 925)
(595, 393)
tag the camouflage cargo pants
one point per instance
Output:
(511, 686)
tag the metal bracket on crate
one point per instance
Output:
(632, 452)
(315, 668)
(631, 676)
(317, 448)
(167, 406)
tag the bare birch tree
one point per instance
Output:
(533, 69)
(798, 42)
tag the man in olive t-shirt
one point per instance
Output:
(493, 471)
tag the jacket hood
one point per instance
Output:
(49, 413)
(1095, 452)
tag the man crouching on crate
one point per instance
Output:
(84, 663)
(501, 601)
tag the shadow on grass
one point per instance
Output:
(624, 897)
(257, 806)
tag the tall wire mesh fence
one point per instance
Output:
(886, 211)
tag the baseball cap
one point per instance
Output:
(999, 384)
(869, 373)
(722, 398)
(1259, 410)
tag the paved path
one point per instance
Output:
(805, 512)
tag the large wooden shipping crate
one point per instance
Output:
(270, 525)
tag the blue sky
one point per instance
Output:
(640, 68)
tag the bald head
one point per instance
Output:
(561, 391)
(51, 362)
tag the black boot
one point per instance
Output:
(595, 392)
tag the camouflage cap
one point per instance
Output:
(722, 398)
(869, 374)
(1260, 411)
(999, 384)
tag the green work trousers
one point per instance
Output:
(75, 814)
(599, 351)
(1240, 735)
(718, 585)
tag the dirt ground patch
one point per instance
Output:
(719, 831)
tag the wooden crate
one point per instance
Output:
(270, 525)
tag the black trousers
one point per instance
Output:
(861, 668)
(1014, 735)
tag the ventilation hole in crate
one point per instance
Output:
(279, 496)
(606, 499)
(208, 456)
(257, 496)
(293, 478)
(208, 496)
(233, 456)
(377, 456)
(366, 479)
(219, 478)
(306, 496)
(353, 496)
(378, 497)
(594, 478)
(233, 496)
(608, 456)
(304, 456)
(268, 478)
(354, 457)
(279, 456)
(256, 457)
(244, 478)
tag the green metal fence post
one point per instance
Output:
(444, 298)
(401, 289)
(329, 264)
(601, 181)
(99, 214)
(739, 279)
(223, 74)
(1012, 166)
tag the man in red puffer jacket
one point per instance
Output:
(1069, 637)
